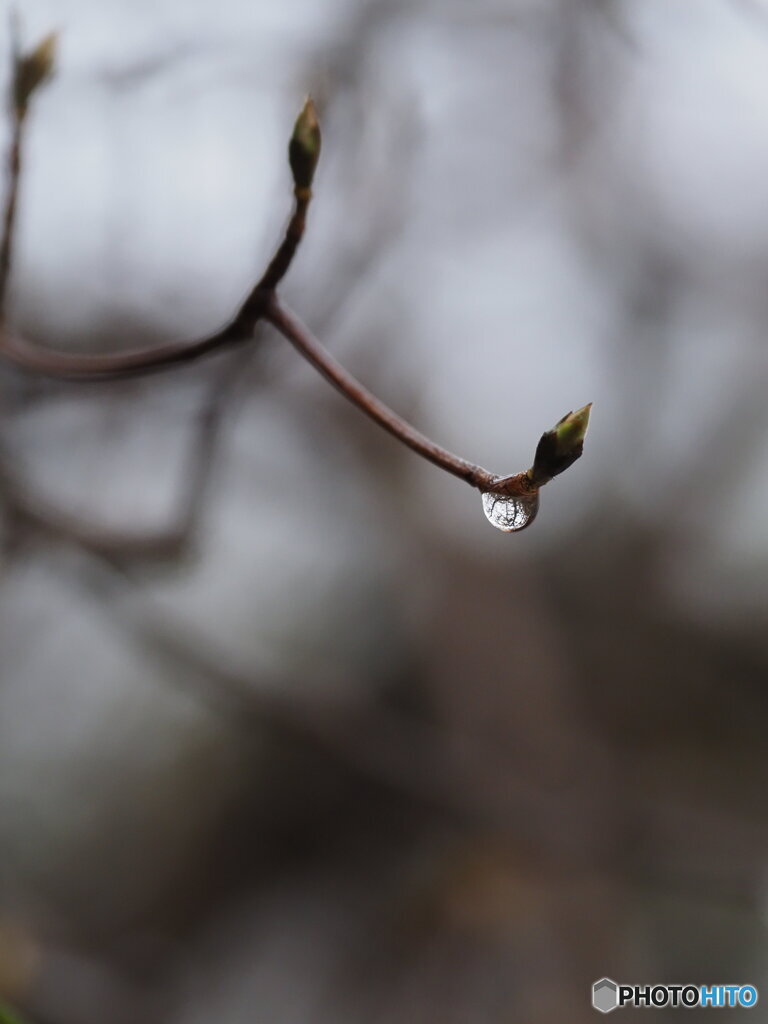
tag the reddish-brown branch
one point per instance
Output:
(262, 302)
(31, 511)
(305, 343)
(294, 233)
(9, 214)
(109, 366)
(14, 171)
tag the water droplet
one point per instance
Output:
(510, 513)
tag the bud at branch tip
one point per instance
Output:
(304, 147)
(32, 70)
(572, 428)
(560, 447)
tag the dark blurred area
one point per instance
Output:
(288, 733)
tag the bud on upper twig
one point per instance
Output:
(560, 447)
(304, 147)
(31, 71)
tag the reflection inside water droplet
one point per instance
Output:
(510, 513)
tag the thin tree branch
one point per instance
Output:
(308, 346)
(9, 214)
(14, 171)
(557, 450)
(119, 365)
(31, 511)
(92, 367)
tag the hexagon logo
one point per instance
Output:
(605, 995)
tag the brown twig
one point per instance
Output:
(9, 214)
(31, 511)
(118, 365)
(88, 367)
(308, 346)
(557, 450)
(563, 445)
(14, 171)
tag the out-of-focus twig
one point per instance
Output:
(457, 773)
(14, 170)
(29, 510)
(92, 367)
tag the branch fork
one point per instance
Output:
(558, 448)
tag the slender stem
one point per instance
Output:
(305, 343)
(113, 365)
(98, 367)
(32, 510)
(252, 308)
(294, 233)
(14, 169)
(262, 302)
(9, 212)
